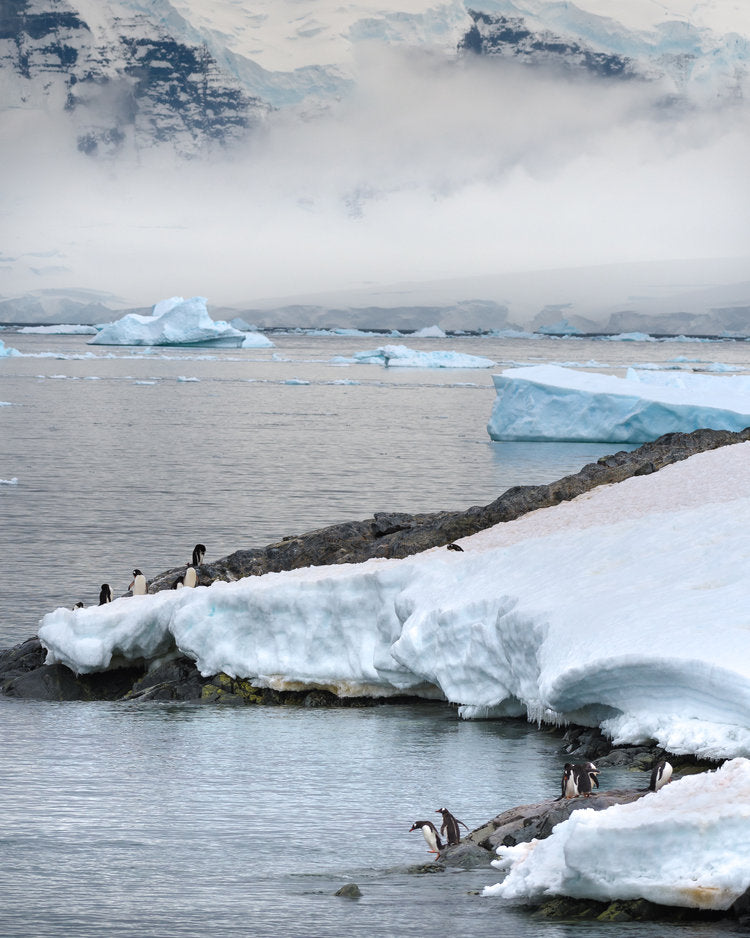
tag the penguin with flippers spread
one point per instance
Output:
(450, 827)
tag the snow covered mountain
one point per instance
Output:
(131, 73)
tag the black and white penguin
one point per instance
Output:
(430, 834)
(661, 774)
(450, 827)
(593, 772)
(105, 594)
(569, 781)
(78, 605)
(583, 779)
(455, 547)
(199, 552)
(138, 586)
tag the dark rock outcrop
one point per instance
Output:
(395, 534)
(529, 821)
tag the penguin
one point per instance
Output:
(430, 834)
(583, 779)
(455, 547)
(593, 772)
(199, 552)
(189, 578)
(449, 827)
(660, 775)
(78, 605)
(138, 586)
(569, 782)
(105, 594)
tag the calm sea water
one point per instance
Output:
(179, 820)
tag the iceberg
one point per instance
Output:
(686, 845)
(6, 351)
(548, 403)
(624, 608)
(175, 321)
(401, 356)
(62, 329)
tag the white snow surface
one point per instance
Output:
(685, 845)
(401, 356)
(549, 403)
(626, 608)
(177, 321)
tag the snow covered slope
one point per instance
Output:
(547, 403)
(625, 608)
(685, 845)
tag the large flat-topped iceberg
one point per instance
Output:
(177, 322)
(547, 403)
(686, 845)
(625, 608)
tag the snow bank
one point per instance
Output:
(548, 403)
(625, 608)
(685, 845)
(400, 355)
(176, 322)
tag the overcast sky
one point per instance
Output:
(432, 168)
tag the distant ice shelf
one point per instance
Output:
(549, 403)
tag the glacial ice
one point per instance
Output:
(545, 403)
(177, 321)
(685, 845)
(625, 608)
(401, 356)
(6, 351)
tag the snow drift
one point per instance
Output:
(686, 845)
(625, 608)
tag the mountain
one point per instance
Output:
(288, 148)
(135, 74)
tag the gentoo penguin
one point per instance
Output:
(583, 779)
(199, 552)
(455, 547)
(78, 605)
(660, 775)
(138, 586)
(430, 834)
(569, 781)
(189, 578)
(105, 594)
(449, 827)
(592, 770)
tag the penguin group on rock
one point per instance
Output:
(581, 779)
(449, 828)
(139, 587)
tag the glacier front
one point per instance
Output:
(686, 845)
(625, 608)
(547, 403)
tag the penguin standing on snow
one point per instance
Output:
(199, 552)
(430, 834)
(78, 605)
(449, 827)
(138, 586)
(455, 547)
(105, 594)
(661, 774)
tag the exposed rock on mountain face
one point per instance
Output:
(126, 83)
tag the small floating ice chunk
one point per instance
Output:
(403, 357)
(13, 481)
